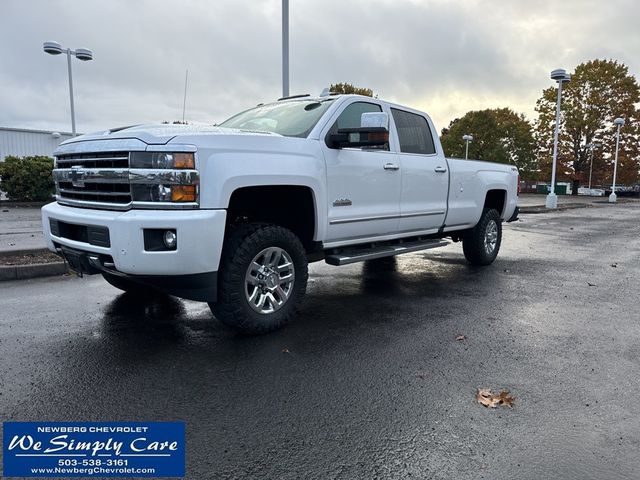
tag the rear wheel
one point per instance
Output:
(482, 243)
(262, 279)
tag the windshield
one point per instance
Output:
(291, 119)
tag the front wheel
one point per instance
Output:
(482, 243)
(263, 277)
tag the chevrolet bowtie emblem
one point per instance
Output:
(76, 177)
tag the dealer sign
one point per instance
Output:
(94, 449)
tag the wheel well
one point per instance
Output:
(495, 199)
(289, 206)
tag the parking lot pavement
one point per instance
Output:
(20, 229)
(370, 382)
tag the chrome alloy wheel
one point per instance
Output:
(269, 280)
(490, 237)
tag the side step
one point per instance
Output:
(360, 255)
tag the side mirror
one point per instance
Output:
(373, 133)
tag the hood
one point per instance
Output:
(160, 134)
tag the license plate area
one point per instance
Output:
(78, 261)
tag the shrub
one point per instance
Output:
(27, 178)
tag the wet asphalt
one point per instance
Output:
(370, 382)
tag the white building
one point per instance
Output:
(22, 142)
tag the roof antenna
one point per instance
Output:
(325, 92)
(184, 100)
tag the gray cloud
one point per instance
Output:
(445, 57)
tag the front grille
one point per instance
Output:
(94, 160)
(88, 179)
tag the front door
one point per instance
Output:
(363, 185)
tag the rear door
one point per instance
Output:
(363, 185)
(425, 175)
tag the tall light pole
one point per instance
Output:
(285, 48)
(467, 138)
(591, 147)
(613, 197)
(54, 48)
(559, 76)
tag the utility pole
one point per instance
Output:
(285, 48)
(184, 100)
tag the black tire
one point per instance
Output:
(474, 246)
(241, 248)
(129, 286)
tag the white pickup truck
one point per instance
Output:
(232, 214)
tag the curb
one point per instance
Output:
(32, 270)
(533, 209)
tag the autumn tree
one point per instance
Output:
(349, 88)
(499, 135)
(599, 91)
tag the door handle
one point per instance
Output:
(391, 166)
(440, 169)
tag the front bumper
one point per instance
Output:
(200, 237)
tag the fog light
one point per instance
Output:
(170, 239)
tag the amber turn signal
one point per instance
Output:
(183, 193)
(183, 160)
(378, 137)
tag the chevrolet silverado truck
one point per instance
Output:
(232, 214)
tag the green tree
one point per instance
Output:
(599, 91)
(27, 178)
(499, 135)
(349, 88)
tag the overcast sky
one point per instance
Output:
(444, 57)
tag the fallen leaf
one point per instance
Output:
(591, 284)
(285, 350)
(485, 397)
(461, 338)
(505, 399)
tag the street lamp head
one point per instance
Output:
(84, 54)
(619, 121)
(52, 48)
(467, 138)
(560, 75)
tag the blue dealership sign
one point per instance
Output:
(93, 449)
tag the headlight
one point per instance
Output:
(162, 160)
(164, 177)
(165, 193)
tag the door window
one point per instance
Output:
(351, 116)
(413, 132)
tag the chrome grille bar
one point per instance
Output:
(90, 175)
(136, 176)
(64, 191)
(75, 160)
